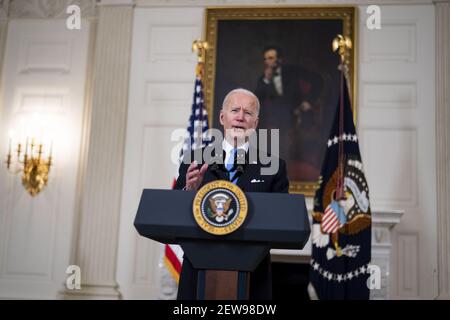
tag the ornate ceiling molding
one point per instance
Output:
(46, 9)
(206, 3)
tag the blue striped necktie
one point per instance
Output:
(231, 167)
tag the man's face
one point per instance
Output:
(239, 117)
(271, 58)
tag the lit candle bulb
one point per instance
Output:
(25, 155)
(51, 148)
(8, 157)
(10, 135)
(49, 161)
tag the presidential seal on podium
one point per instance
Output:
(220, 207)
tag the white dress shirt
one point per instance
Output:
(277, 81)
(228, 147)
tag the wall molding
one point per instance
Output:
(206, 3)
(45, 9)
(408, 261)
(442, 11)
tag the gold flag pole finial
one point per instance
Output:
(343, 44)
(200, 48)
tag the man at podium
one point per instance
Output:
(239, 117)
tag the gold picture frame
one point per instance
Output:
(236, 38)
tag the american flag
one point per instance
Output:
(196, 137)
(330, 222)
(198, 122)
(341, 246)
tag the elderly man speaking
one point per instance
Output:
(239, 117)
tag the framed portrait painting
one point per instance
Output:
(284, 55)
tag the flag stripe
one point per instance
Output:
(172, 258)
(329, 223)
(333, 227)
(329, 218)
(175, 274)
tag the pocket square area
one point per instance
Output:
(256, 181)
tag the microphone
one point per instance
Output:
(240, 161)
(239, 169)
(215, 167)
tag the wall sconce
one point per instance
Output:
(30, 161)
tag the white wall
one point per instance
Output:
(397, 135)
(43, 71)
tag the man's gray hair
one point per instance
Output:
(244, 91)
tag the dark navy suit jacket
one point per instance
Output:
(261, 278)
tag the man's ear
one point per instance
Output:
(256, 122)
(221, 117)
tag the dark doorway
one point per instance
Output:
(290, 281)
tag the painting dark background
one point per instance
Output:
(305, 43)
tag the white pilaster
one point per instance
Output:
(96, 245)
(443, 145)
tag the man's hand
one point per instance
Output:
(194, 176)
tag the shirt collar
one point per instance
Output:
(278, 71)
(228, 147)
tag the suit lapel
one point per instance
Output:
(251, 170)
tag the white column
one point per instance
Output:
(443, 145)
(97, 239)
